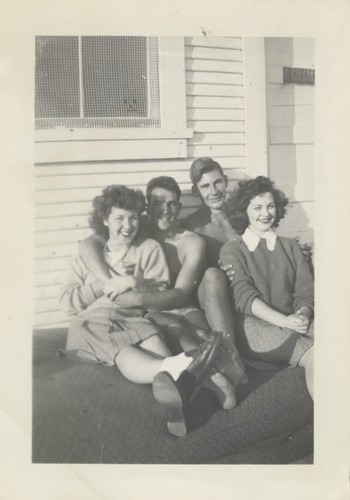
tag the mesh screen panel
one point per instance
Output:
(57, 77)
(97, 82)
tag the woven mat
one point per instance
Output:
(87, 413)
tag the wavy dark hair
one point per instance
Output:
(114, 196)
(238, 202)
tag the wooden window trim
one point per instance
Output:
(169, 141)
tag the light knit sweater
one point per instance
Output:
(82, 288)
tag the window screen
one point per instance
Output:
(96, 82)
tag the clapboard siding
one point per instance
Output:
(215, 66)
(215, 102)
(47, 265)
(203, 89)
(220, 42)
(218, 126)
(215, 78)
(52, 209)
(64, 182)
(47, 291)
(157, 166)
(215, 114)
(64, 190)
(218, 138)
(213, 54)
(47, 252)
(216, 150)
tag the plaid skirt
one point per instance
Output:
(261, 340)
(99, 334)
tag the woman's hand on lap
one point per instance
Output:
(118, 285)
(299, 323)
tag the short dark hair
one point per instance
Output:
(168, 183)
(202, 166)
(238, 202)
(114, 196)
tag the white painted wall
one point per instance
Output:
(290, 125)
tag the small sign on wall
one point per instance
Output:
(299, 76)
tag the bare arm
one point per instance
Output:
(293, 321)
(265, 312)
(186, 282)
(91, 252)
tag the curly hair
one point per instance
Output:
(114, 196)
(168, 183)
(238, 202)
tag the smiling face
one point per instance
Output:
(212, 189)
(123, 226)
(261, 212)
(163, 209)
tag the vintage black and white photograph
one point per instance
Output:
(174, 250)
(174, 266)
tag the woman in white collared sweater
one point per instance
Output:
(273, 287)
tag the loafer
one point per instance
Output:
(205, 356)
(169, 394)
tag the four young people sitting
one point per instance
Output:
(153, 287)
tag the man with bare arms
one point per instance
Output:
(185, 252)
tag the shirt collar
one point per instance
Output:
(252, 240)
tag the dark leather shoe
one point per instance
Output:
(170, 395)
(205, 356)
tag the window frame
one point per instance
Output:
(101, 144)
(81, 119)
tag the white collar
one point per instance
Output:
(252, 240)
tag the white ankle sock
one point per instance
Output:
(175, 365)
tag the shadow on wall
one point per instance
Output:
(296, 223)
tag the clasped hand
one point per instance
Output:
(298, 322)
(118, 285)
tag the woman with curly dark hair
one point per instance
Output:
(272, 285)
(105, 333)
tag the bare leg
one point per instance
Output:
(140, 364)
(137, 366)
(307, 362)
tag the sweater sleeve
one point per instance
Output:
(80, 289)
(304, 284)
(244, 289)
